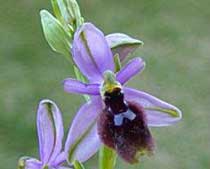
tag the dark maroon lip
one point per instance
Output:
(122, 126)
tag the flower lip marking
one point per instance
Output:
(118, 119)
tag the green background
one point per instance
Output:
(177, 52)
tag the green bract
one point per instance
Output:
(58, 39)
(68, 13)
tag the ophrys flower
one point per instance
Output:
(123, 114)
(50, 135)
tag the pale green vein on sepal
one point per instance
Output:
(85, 42)
(124, 39)
(56, 36)
(107, 158)
(49, 108)
(171, 112)
(78, 165)
(129, 44)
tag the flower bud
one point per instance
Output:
(68, 12)
(58, 39)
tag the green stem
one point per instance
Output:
(107, 158)
(81, 78)
(78, 74)
(78, 165)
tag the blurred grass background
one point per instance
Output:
(177, 52)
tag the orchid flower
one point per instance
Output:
(116, 115)
(50, 134)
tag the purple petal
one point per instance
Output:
(50, 130)
(29, 163)
(158, 112)
(82, 132)
(61, 158)
(91, 52)
(122, 44)
(88, 146)
(135, 66)
(75, 86)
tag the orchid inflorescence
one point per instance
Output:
(115, 118)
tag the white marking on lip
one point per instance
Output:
(118, 119)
